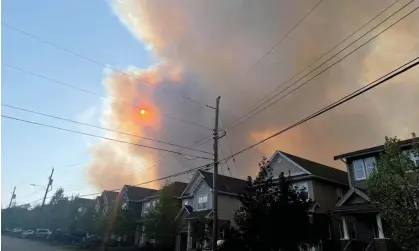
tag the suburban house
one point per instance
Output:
(149, 203)
(105, 201)
(324, 185)
(361, 225)
(131, 198)
(197, 205)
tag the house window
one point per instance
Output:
(146, 207)
(185, 202)
(303, 187)
(363, 168)
(124, 205)
(202, 202)
(413, 156)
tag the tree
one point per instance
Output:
(161, 224)
(394, 189)
(124, 223)
(274, 214)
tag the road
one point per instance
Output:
(15, 244)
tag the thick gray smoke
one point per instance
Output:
(206, 48)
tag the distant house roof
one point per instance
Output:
(110, 195)
(85, 202)
(319, 169)
(137, 193)
(225, 184)
(175, 187)
(371, 150)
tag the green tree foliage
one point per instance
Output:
(394, 189)
(274, 214)
(60, 212)
(125, 223)
(161, 224)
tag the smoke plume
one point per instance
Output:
(205, 49)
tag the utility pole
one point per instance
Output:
(50, 180)
(13, 197)
(215, 176)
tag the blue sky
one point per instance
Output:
(89, 28)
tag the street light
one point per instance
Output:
(34, 185)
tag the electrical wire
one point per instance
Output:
(99, 95)
(345, 99)
(383, 79)
(101, 137)
(240, 121)
(102, 128)
(26, 33)
(284, 37)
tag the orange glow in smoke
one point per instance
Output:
(142, 111)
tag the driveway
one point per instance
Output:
(15, 244)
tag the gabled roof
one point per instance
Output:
(110, 195)
(225, 184)
(372, 150)
(193, 214)
(175, 187)
(137, 193)
(350, 193)
(318, 169)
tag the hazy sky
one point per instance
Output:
(29, 151)
(197, 49)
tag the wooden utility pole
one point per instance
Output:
(215, 176)
(50, 180)
(13, 197)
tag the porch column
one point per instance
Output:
(143, 237)
(178, 240)
(189, 242)
(345, 229)
(380, 227)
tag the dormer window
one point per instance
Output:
(363, 168)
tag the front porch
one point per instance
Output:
(196, 230)
(361, 227)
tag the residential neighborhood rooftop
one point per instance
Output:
(319, 169)
(225, 184)
(138, 193)
(371, 150)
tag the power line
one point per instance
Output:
(331, 106)
(321, 72)
(316, 60)
(99, 95)
(284, 37)
(238, 122)
(102, 128)
(345, 99)
(26, 33)
(101, 137)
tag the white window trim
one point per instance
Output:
(299, 185)
(364, 168)
(206, 202)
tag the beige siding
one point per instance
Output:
(325, 194)
(227, 206)
(284, 165)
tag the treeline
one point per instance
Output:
(60, 212)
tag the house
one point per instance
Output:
(361, 225)
(131, 198)
(105, 201)
(197, 204)
(324, 185)
(149, 203)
